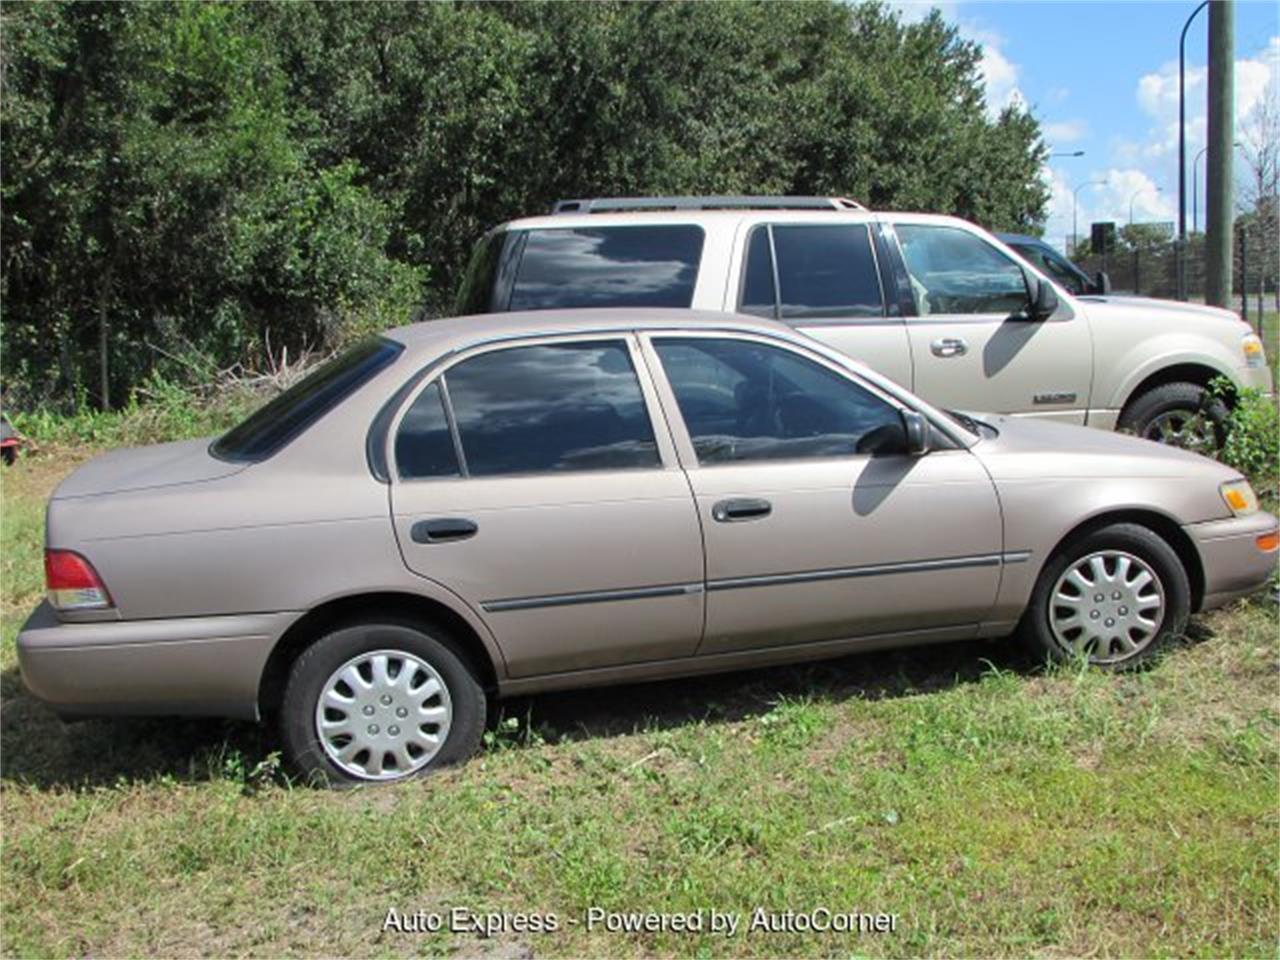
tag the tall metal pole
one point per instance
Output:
(1075, 202)
(1195, 191)
(1182, 152)
(1219, 223)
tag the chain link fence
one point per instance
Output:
(1153, 271)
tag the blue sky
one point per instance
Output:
(1102, 77)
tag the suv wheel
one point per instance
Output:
(1113, 596)
(378, 702)
(1179, 414)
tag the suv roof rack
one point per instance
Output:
(618, 204)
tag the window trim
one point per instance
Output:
(685, 449)
(438, 370)
(840, 321)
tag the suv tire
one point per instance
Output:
(1168, 414)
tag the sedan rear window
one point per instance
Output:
(289, 414)
(561, 268)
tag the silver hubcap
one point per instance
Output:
(1182, 428)
(383, 715)
(1108, 606)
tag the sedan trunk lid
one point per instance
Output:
(138, 468)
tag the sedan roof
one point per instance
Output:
(454, 332)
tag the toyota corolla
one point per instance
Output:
(484, 506)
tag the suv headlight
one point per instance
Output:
(1254, 354)
(1239, 497)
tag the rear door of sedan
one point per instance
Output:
(532, 479)
(817, 524)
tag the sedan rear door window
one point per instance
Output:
(551, 408)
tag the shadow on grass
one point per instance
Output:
(729, 697)
(39, 749)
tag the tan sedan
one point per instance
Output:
(485, 506)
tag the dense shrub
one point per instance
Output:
(216, 181)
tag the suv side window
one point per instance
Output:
(743, 401)
(822, 272)
(952, 271)
(642, 266)
(557, 407)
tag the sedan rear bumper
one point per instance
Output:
(196, 666)
(1232, 561)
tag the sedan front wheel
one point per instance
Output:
(1112, 597)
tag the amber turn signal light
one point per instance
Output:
(1268, 542)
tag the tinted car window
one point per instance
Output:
(652, 266)
(823, 271)
(952, 271)
(759, 295)
(745, 401)
(289, 414)
(826, 271)
(1058, 267)
(424, 443)
(549, 408)
(489, 273)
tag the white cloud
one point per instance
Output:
(999, 73)
(1105, 195)
(1157, 96)
(913, 11)
(1064, 131)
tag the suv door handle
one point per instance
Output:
(949, 347)
(443, 529)
(732, 511)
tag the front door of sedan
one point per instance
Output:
(530, 481)
(973, 346)
(817, 524)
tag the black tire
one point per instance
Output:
(1036, 630)
(313, 668)
(1160, 407)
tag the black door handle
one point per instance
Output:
(443, 530)
(731, 511)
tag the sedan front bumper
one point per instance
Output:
(196, 666)
(1233, 563)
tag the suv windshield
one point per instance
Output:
(288, 415)
(652, 265)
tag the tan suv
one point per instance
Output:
(936, 304)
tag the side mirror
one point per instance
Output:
(1044, 300)
(917, 430)
(1101, 283)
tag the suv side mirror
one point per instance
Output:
(917, 430)
(1101, 283)
(1044, 300)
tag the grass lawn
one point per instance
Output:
(996, 809)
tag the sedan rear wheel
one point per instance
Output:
(1113, 596)
(378, 702)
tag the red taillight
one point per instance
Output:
(72, 583)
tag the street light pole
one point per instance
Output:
(1075, 202)
(1182, 152)
(1195, 191)
(1195, 183)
